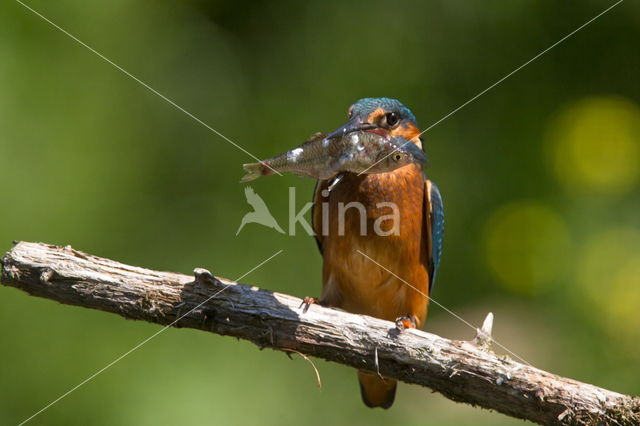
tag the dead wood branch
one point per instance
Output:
(462, 371)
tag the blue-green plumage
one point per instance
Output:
(437, 231)
(366, 106)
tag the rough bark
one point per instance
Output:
(462, 371)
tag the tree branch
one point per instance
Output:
(462, 371)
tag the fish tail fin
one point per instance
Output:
(254, 171)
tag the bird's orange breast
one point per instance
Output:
(360, 223)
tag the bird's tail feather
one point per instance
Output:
(377, 391)
(254, 171)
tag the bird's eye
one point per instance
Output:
(397, 156)
(391, 119)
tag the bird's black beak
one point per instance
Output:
(353, 125)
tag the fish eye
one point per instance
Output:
(391, 119)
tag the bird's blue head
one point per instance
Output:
(384, 116)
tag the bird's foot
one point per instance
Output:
(405, 322)
(308, 301)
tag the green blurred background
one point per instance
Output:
(540, 179)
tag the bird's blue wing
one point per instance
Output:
(435, 218)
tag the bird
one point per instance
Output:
(367, 272)
(260, 213)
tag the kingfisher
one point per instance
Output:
(384, 269)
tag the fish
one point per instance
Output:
(324, 158)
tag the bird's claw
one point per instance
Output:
(405, 322)
(307, 302)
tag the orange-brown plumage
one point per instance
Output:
(351, 278)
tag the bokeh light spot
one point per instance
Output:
(526, 246)
(609, 277)
(595, 144)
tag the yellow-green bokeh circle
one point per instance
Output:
(608, 281)
(526, 244)
(594, 144)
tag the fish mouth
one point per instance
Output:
(418, 155)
